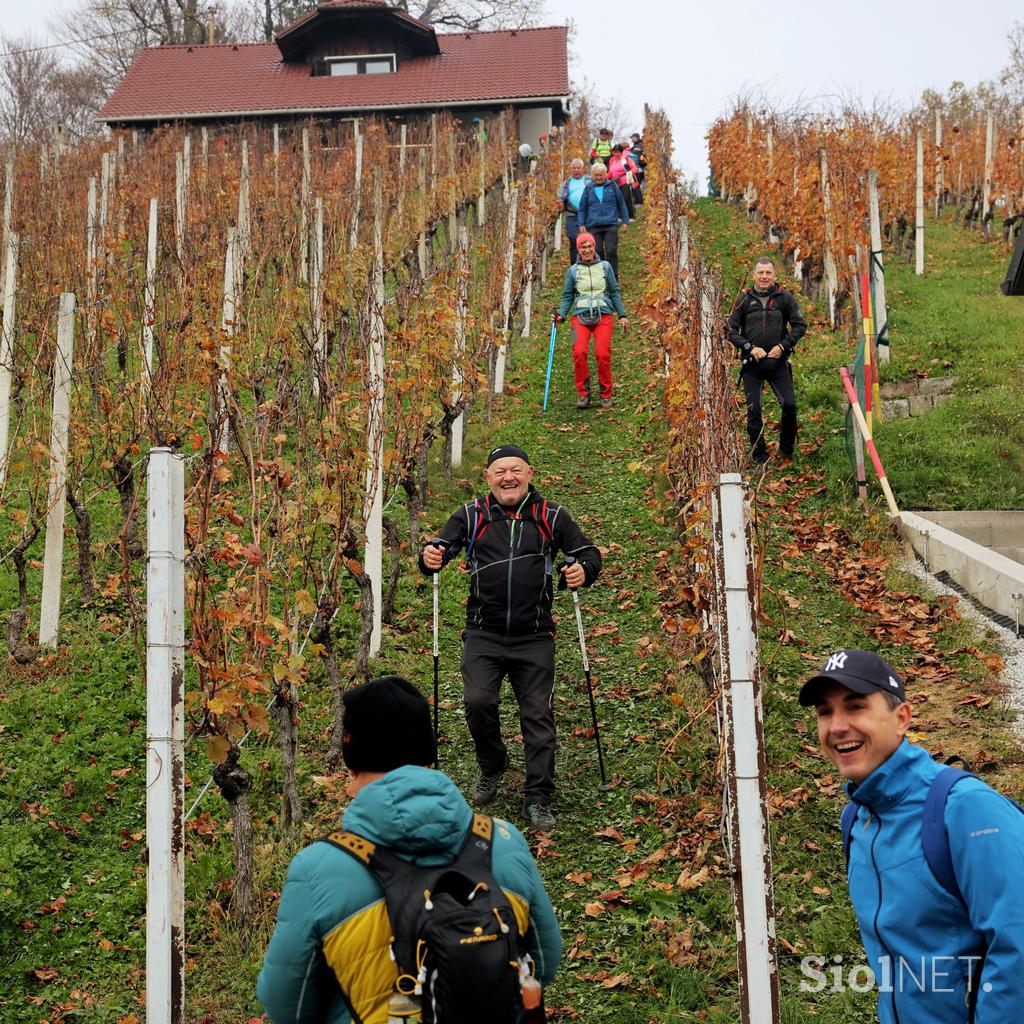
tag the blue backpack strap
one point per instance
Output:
(934, 838)
(846, 823)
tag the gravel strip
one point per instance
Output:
(1012, 647)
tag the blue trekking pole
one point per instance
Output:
(551, 362)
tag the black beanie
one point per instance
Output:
(507, 451)
(386, 725)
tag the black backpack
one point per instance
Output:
(456, 939)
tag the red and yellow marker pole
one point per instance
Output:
(851, 394)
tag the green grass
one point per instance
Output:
(653, 953)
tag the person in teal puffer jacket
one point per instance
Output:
(329, 959)
(936, 960)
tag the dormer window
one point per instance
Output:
(360, 64)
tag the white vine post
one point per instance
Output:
(421, 242)
(529, 268)
(316, 302)
(919, 209)
(403, 140)
(277, 156)
(374, 506)
(877, 272)
(179, 211)
(304, 196)
(242, 220)
(481, 142)
(60, 419)
(229, 312)
(708, 299)
(149, 313)
(7, 349)
(986, 207)
(746, 814)
(8, 210)
(939, 176)
(353, 236)
(453, 210)
(92, 266)
(165, 734)
(828, 260)
(461, 306)
(506, 293)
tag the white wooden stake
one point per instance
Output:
(747, 815)
(165, 735)
(304, 196)
(528, 292)
(878, 271)
(939, 176)
(919, 209)
(229, 313)
(828, 260)
(481, 212)
(92, 266)
(8, 210)
(277, 155)
(7, 350)
(558, 233)
(179, 209)
(453, 207)
(421, 243)
(149, 313)
(242, 220)
(316, 270)
(374, 506)
(461, 308)
(357, 184)
(204, 148)
(106, 186)
(60, 420)
(987, 195)
(506, 293)
(403, 138)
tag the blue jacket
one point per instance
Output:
(331, 946)
(917, 936)
(603, 214)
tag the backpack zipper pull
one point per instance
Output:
(427, 902)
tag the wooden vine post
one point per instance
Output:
(165, 739)
(149, 310)
(828, 260)
(877, 271)
(461, 312)
(919, 209)
(374, 505)
(7, 349)
(506, 292)
(60, 420)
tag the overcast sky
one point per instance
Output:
(690, 58)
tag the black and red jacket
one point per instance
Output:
(511, 555)
(776, 321)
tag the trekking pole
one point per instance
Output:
(569, 560)
(551, 361)
(437, 543)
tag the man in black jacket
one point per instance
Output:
(512, 537)
(765, 325)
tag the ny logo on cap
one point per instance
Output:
(838, 660)
(893, 683)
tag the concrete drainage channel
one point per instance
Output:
(979, 555)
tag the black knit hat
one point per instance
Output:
(507, 451)
(386, 725)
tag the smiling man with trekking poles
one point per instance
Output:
(934, 858)
(512, 537)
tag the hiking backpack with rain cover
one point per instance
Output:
(455, 936)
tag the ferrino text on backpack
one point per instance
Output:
(456, 940)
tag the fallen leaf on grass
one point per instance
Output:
(45, 974)
(594, 909)
(579, 877)
(617, 980)
(687, 882)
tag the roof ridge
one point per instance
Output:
(495, 31)
(206, 46)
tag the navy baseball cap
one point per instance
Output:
(860, 671)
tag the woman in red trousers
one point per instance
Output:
(592, 293)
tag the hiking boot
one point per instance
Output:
(541, 818)
(759, 457)
(583, 401)
(486, 790)
(606, 403)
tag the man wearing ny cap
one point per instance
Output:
(329, 959)
(934, 866)
(512, 537)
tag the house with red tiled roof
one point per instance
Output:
(348, 59)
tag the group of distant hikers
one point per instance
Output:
(420, 909)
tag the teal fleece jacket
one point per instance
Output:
(420, 815)
(920, 939)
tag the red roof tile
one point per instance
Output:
(179, 82)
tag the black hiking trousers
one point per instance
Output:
(529, 663)
(781, 382)
(606, 241)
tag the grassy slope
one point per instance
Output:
(649, 952)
